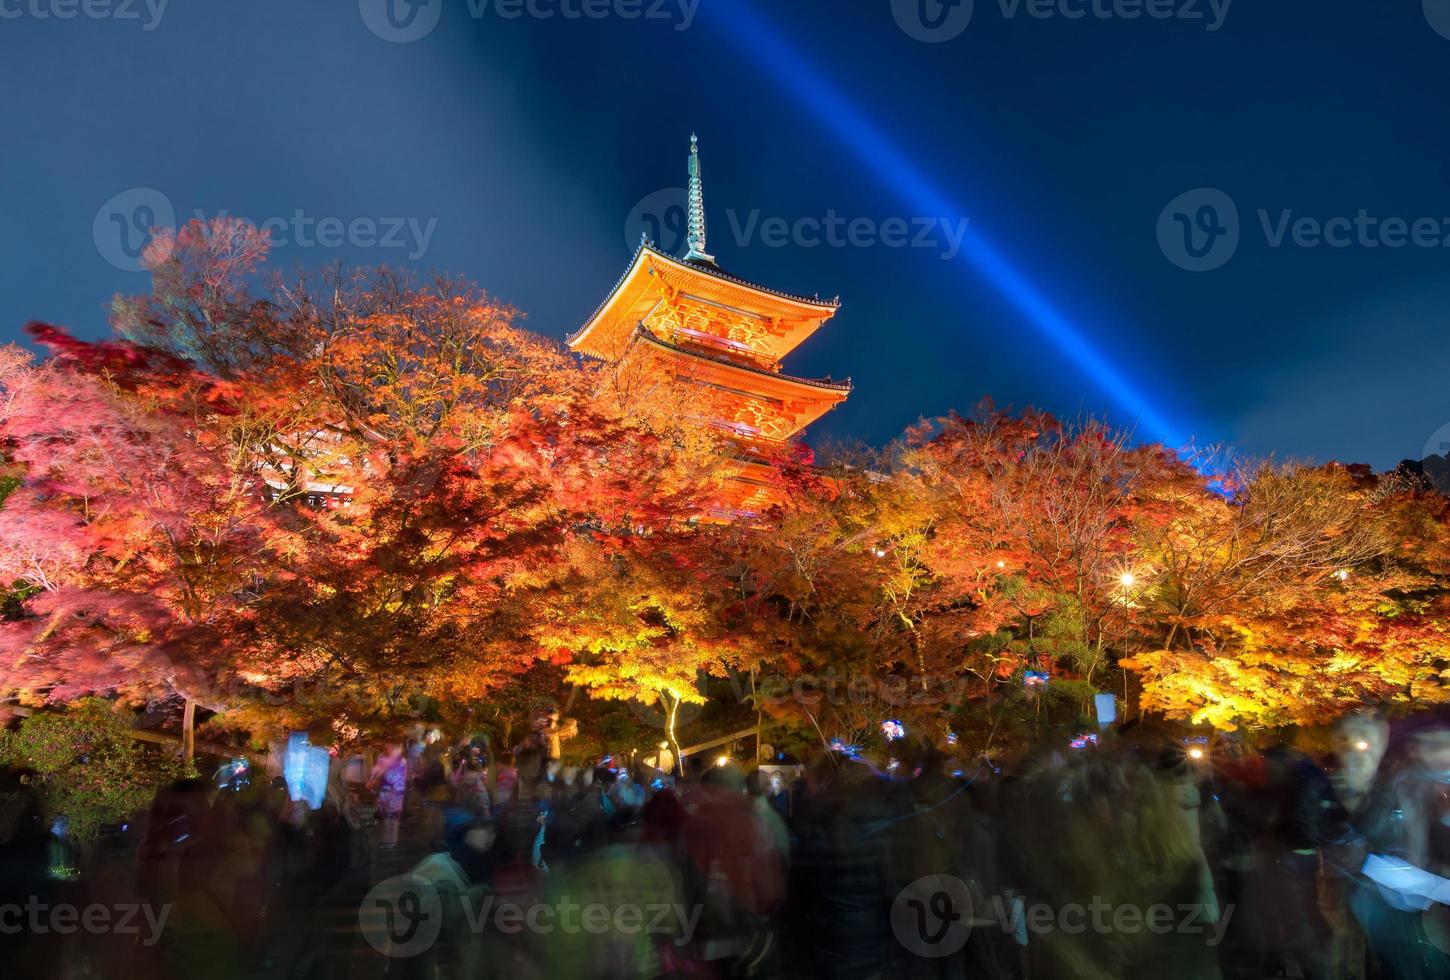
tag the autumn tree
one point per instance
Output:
(1290, 594)
(139, 536)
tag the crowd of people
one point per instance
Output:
(1102, 860)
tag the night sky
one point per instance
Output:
(515, 150)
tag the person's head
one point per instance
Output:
(727, 776)
(1360, 741)
(1430, 748)
(530, 765)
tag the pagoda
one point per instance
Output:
(688, 320)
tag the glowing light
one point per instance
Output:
(1362, 745)
(1127, 580)
(1341, 573)
(772, 52)
(1195, 753)
(1001, 564)
(879, 552)
(724, 760)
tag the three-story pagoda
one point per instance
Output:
(686, 319)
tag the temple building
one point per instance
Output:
(687, 319)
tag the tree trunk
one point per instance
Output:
(188, 732)
(674, 707)
(758, 755)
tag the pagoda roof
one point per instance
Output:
(609, 327)
(765, 405)
(840, 388)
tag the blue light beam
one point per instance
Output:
(772, 52)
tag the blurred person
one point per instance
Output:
(1360, 744)
(218, 921)
(470, 780)
(841, 875)
(389, 780)
(505, 781)
(735, 872)
(1306, 817)
(1405, 820)
(1108, 832)
(24, 860)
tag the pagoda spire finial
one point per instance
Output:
(696, 237)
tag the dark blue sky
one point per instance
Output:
(515, 150)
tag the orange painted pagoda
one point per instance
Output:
(686, 319)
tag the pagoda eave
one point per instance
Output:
(770, 382)
(748, 403)
(652, 275)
